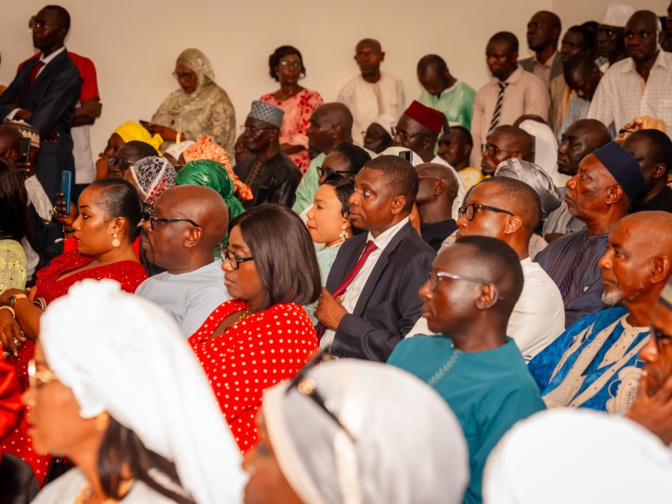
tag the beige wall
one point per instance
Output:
(577, 11)
(134, 43)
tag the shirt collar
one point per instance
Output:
(385, 237)
(549, 62)
(661, 60)
(514, 77)
(50, 58)
(450, 89)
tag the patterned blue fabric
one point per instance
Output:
(265, 112)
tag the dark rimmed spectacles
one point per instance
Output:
(234, 260)
(659, 335)
(153, 219)
(325, 172)
(183, 75)
(470, 210)
(307, 386)
(405, 135)
(123, 163)
(492, 150)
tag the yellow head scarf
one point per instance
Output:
(133, 131)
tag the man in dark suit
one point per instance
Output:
(44, 93)
(370, 302)
(543, 33)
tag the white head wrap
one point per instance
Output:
(536, 178)
(617, 15)
(178, 148)
(409, 445)
(578, 456)
(122, 354)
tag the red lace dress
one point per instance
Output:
(129, 274)
(11, 409)
(251, 356)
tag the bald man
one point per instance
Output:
(445, 93)
(640, 84)
(189, 222)
(595, 363)
(436, 194)
(330, 125)
(373, 92)
(505, 142)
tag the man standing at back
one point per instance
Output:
(370, 301)
(373, 92)
(44, 94)
(543, 33)
(512, 93)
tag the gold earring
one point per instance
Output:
(344, 234)
(102, 421)
(115, 241)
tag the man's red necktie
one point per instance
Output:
(33, 74)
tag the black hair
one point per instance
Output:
(521, 199)
(119, 199)
(13, 202)
(356, 156)
(553, 18)
(143, 149)
(400, 176)
(63, 15)
(120, 448)
(498, 262)
(507, 37)
(278, 54)
(465, 133)
(283, 253)
(344, 188)
(660, 146)
(588, 36)
(433, 61)
(581, 62)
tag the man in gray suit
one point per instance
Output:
(543, 33)
(370, 302)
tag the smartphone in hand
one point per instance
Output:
(407, 155)
(144, 124)
(24, 151)
(66, 189)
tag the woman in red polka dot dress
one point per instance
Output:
(262, 336)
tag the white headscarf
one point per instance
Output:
(545, 150)
(122, 354)
(409, 445)
(579, 456)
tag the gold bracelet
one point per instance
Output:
(10, 309)
(178, 137)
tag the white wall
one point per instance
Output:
(577, 11)
(134, 43)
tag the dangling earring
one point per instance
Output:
(102, 422)
(344, 233)
(115, 241)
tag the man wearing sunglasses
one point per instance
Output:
(181, 235)
(44, 93)
(596, 362)
(471, 362)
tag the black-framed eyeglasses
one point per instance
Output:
(405, 135)
(434, 277)
(659, 335)
(123, 163)
(234, 260)
(470, 210)
(253, 129)
(33, 22)
(492, 150)
(307, 386)
(183, 75)
(153, 220)
(325, 172)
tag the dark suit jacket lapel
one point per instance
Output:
(380, 266)
(53, 66)
(341, 270)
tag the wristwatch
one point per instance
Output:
(13, 299)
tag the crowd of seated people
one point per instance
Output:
(466, 298)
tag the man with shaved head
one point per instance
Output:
(436, 194)
(653, 150)
(505, 142)
(600, 194)
(330, 125)
(189, 222)
(595, 363)
(543, 33)
(640, 84)
(444, 92)
(373, 92)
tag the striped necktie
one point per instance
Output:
(498, 108)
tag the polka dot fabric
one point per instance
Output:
(252, 355)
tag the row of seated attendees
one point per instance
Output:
(349, 302)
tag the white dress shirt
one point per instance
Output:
(351, 295)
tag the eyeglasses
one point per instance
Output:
(470, 210)
(153, 219)
(325, 172)
(295, 64)
(404, 135)
(183, 75)
(659, 335)
(123, 163)
(33, 22)
(307, 386)
(253, 129)
(38, 378)
(492, 150)
(434, 277)
(234, 260)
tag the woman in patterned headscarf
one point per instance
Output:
(151, 176)
(200, 107)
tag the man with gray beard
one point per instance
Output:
(595, 363)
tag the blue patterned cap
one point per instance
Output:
(262, 111)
